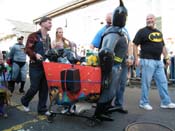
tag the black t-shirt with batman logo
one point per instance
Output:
(151, 43)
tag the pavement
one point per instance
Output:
(18, 120)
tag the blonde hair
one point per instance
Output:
(65, 41)
(56, 34)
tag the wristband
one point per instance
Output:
(131, 57)
(167, 57)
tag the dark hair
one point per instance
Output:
(20, 38)
(44, 19)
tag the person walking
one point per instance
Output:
(17, 57)
(118, 101)
(38, 43)
(152, 46)
(112, 54)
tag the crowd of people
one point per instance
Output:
(112, 37)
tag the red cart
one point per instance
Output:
(89, 82)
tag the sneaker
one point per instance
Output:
(47, 113)
(72, 108)
(146, 107)
(169, 106)
(26, 109)
(65, 110)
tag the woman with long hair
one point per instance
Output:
(60, 41)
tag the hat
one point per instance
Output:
(44, 19)
(20, 38)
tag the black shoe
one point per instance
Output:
(122, 110)
(118, 109)
(21, 91)
(103, 117)
(47, 113)
(11, 89)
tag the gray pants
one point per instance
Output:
(108, 93)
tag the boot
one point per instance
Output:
(11, 86)
(21, 90)
(100, 112)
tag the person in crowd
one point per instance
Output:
(98, 37)
(17, 57)
(38, 43)
(152, 46)
(114, 69)
(118, 101)
(65, 48)
(60, 41)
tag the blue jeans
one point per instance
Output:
(138, 71)
(122, 78)
(16, 69)
(153, 69)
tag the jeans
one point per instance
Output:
(121, 84)
(38, 83)
(138, 71)
(153, 69)
(16, 69)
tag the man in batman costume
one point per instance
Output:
(113, 49)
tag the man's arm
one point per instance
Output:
(130, 54)
(11, 54)
(130, 59)
(130, 49)
(97, 39)
(136, 54)
(31, 41)
(166, 56)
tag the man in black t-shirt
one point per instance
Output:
(152, 46)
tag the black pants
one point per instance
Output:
(38, 84)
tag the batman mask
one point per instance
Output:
(120, 15)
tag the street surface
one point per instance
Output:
(21, 121)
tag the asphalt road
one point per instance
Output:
(21, 121)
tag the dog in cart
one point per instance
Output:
(70, 85)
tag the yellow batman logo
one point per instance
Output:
(155, 37)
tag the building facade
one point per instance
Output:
(81, 22)
(13, 30)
